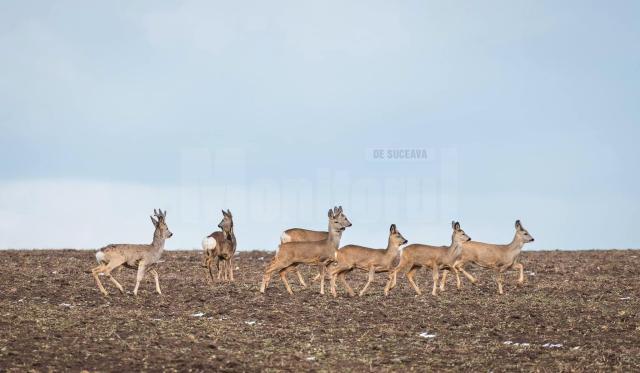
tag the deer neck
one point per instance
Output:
(158, 240)
(334, 238)
(391, 249)
(229, 234)
(454, 249)
(516, 245)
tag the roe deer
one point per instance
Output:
(496, 257)
(301, 235)
(140, 257)
(367, 259)
(321, 252)
(434, 257)
(220, 247)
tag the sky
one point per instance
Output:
(408, 112)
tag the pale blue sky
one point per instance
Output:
(527, 109)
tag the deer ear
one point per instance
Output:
(456, 226)
(330, 213)
(229, 213)
(518, 224)
(392, 228)
(339, 209)
(154, 221)
(223, 213)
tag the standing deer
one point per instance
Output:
(434, 257)
(220, 247)
(302, 235)
(366, 259)
(140, 257)
(321, 252)
(497, 257)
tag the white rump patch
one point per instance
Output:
(100, 256)
(284, 237)
(208, 243)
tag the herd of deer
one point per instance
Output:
(302, 246)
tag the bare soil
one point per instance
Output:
(583, 303)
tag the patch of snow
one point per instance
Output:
(625, 298)
(261, 258)
(65, 305)
(156, 319)
(198, 314)
(575, 348)
(531, 273)
(311, 358)
(427, 335)
(54, 272)
(250, 322)
(552, 345)
(517, 344)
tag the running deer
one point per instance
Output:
(366, 259)
(141, 257)
(302, 235)
(497, 257)
(322, 252)
(219, 248)
(434, 257)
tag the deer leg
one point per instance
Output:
(393, 275)
(300, 278)
(372, 272)
(95, 271)
(499, 280)
(333, 275)
(210, 267)
(520, 267)
(458, 282)
(283, 277)
(445, 272)
(219, 267)
(275, 265)
(435, 273)
(322, 268)
(116, 283)
(231, 265)
(222, 272)
(346, 284)
(205, 259)
(139, 277)
(466, 274)
(387, 287)
(106, 270)
(155, 278)
(410, 275)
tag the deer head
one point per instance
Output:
(160, 223)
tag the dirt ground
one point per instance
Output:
(578, 311)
